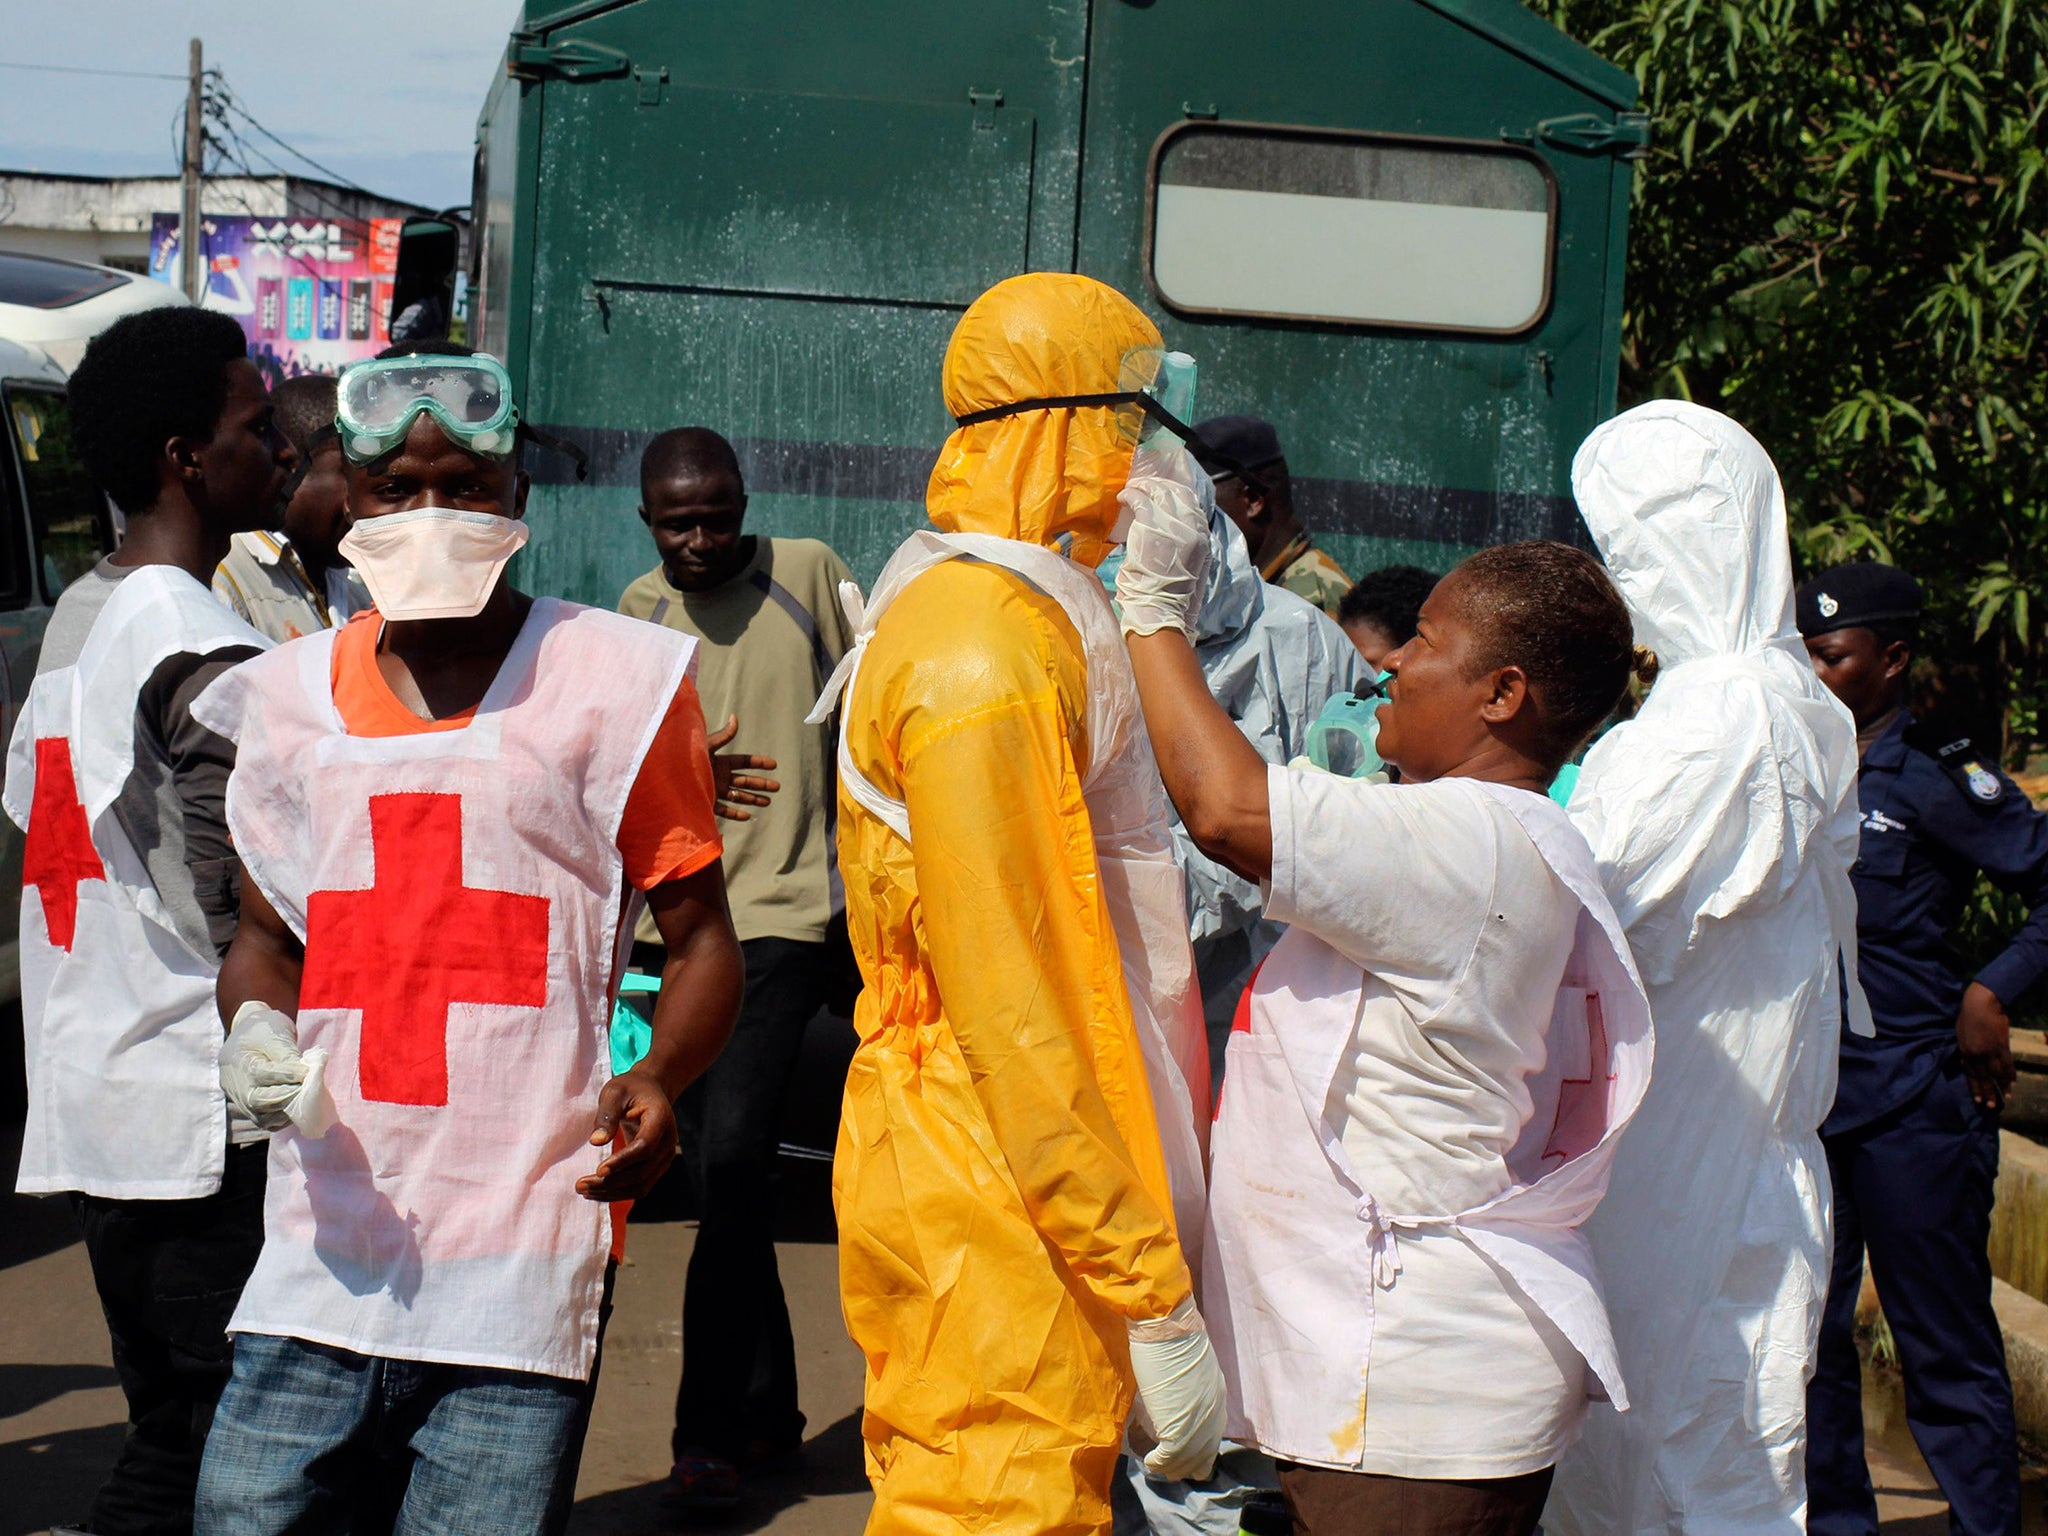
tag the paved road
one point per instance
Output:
(60, 1409)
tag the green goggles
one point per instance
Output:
(470, 397)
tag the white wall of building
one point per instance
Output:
(106, 219)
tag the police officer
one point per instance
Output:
(1912, 1142)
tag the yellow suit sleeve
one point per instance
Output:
(1019, 938)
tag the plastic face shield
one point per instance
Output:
(1161, 390)
(470, 397)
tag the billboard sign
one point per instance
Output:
(312, 295)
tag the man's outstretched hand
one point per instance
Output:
(637, 1121)
(736, 786)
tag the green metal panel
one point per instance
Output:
(1397, 440)
(767, 219)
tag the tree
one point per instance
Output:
(1839, 238)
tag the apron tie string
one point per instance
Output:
(855, 608)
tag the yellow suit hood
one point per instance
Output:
(1040, 474)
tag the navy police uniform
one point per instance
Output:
(1911, 1155)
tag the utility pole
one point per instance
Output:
(191, 270)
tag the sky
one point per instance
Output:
(386, 92)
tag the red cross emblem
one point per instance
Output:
(57, 852)
(416, 941)
(1582, 1101)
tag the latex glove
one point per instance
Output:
(1180, 1394)
(1166, 551)
(268, 1078)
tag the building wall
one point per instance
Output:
(106, 219)
(106, 248)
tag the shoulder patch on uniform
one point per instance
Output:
(1962, 762)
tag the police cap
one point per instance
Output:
(1862, 595)
(1235, 445)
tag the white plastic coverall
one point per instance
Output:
(1723, 818)
(1272, 660)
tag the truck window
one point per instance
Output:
(1355, 229)
(66, 511)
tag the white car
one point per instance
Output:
(57, 306)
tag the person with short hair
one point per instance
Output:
(1430, 1073)
(1913, 1141)
(766, 617)
(129, 885)
(450, 812)
(1242, 455)
(294, 580)
(1378, 614)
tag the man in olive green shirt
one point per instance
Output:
(770, 629)
(1242, 455)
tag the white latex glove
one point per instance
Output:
(265, 1075)
(1180, 1394)
(1166, 551)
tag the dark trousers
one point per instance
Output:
(1914, 1187)
(169, 1273)
(1327, 1503)
(739, 1394)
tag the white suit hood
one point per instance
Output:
(1686, 509)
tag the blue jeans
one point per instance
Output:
(310, 1439)
(1142, 1504)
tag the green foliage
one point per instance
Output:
(1990, 919)
(1840, 239)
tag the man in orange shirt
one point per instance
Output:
(449, 813)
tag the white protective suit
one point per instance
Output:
(1724, 820)
(1272, 660)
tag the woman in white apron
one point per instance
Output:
(1425, 1088)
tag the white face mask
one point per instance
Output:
(433, 562)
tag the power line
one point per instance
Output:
(74, 69)
(233, 103)
(230, 136)
(227, 191)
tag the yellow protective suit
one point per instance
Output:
(1002, 1197)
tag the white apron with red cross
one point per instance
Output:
(1298, 1246)
(122, 1037)
(462, 902)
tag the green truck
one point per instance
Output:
(1394, 228)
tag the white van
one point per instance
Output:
(58, 306)
(54, 527)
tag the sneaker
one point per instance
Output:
(702, 1482)
(1265, 1513)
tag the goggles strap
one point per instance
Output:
(1137, 397)
(560, 445)
(1044, 403)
